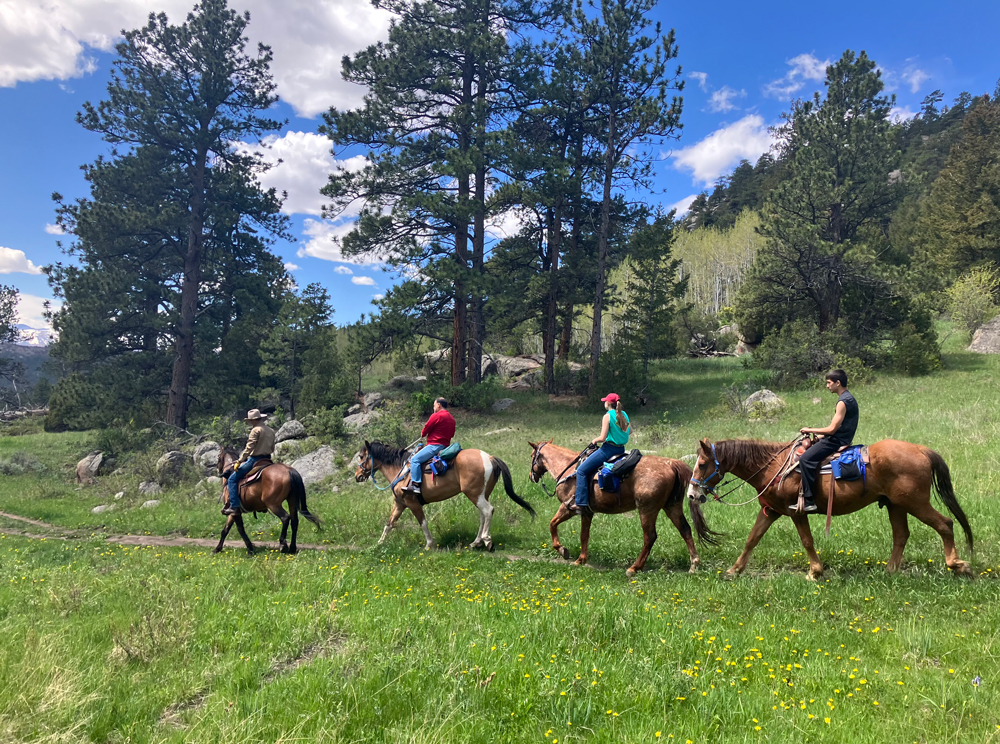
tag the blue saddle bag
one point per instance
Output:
(848, 465)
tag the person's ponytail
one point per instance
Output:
(620, 412)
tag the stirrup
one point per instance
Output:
(807, 507)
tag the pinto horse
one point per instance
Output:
(899, 477)
(277, 483)
(473, 472)
(656, 483)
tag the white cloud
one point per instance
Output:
(377, 297)
(718, 152)
(683, 206)
(701, 77)
(915, 77)
(722, 99)
(308, 37)
(289, 266)
(31, 307)
(365, 281)
(301, 163)
(507, 224)
(54, 230)
(343, 270)
(901, 113)
(804, 67)
(324, 241)
(15, 262)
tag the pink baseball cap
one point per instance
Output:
(610, 398)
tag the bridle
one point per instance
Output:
(559, 479)
(702, 483)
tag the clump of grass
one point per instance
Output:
(20, 463)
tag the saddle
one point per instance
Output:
(617, 469)
(438, 465)
(847, 463)
(254, 474)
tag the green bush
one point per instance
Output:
(20, 463)
(972, 299)
(116, 441)
(229, 431)
(914, 352)
(795, 353)
(393, 429)
(328, 423)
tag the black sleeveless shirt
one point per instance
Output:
(849, 426)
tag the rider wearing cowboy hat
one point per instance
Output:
(259, 445)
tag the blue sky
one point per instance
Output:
(742, 62)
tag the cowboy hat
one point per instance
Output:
(255, 415)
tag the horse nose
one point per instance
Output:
(694, 493)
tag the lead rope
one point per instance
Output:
(560, 480)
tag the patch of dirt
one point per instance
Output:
(171, 715)
(330, 646)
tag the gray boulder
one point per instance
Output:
(405, 382)
(102, 508)
(206, 457)
(290, 430)
(503, 404)
(170, 467)
(373, 401)
(986, 340)
(360, 420)
(317, 465)
(88, 468)
(518, 365)
(356, 408)
(150, 488)
(151, 504)
(120, 495)
(763, 402)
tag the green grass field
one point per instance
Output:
(106, 642)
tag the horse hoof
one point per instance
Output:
(693, 569)
(962, 569)
(490, 546)
(563, 551)
(629, 573)
(814, 575)
(730, 574)
(283, 549)
(579, 562)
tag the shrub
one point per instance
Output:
(21, 463)
(795, 353)
(914, 352)
(328, 423)
(393, 429)
(118, 440)
(972, 299)
(229, 431)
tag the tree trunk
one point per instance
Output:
(602, 252)
(555, 241)
(177, 399)
(477, 322)
(460, 327)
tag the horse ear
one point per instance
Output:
(705, 446)
(367, 445)
(533, 445)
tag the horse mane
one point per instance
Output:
(387, 454)
(753, 453)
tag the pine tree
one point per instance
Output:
(191, 93)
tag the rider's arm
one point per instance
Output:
(838, 419)
(605, 424)
(251, 443)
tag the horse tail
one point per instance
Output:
(508, 485)
(942, 484)
(298, 492)
(682, 476)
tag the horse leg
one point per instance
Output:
(805, 534)
(482, 523)
(900, 534)
(294, 519)
(762, 525)
(944, 527)
(398, 507)
(676, 514)
(561, 516)
(418, 512)
(225, 531)
(648, 522)
(585, 520)
(283, 516)
(243, 533)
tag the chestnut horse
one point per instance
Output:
(656, 483)
(277, 484)
(899, 477)
(472, 472)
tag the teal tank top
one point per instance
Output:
(615, 434)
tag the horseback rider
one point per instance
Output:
(260, 445)
(839, 433)
(439, 430)
(613, 438)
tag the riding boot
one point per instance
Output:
(413, 488)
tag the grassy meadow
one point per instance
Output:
(104, 642)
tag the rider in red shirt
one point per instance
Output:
(439, 430)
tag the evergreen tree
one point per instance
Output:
(187, 93)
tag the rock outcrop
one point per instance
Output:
(317, 465)
(986, 340)
(290, 430)
(88, 468)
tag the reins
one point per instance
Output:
(399, 476)
(559, 479)
(717, 497)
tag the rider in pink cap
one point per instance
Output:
(615, 428)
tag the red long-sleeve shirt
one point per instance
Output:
(439, 429)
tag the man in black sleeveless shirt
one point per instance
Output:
(838, 434)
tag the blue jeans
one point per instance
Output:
(586, 469)
(418, 460)
(234, 479)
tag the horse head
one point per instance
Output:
(538, 468)
(227, 457)
(707, 475)
(366, 465)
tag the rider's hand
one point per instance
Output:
(805, 430)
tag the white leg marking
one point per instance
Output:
(483, 504)
(427, 533)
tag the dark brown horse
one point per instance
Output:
(899, 477)
(656, 484)
(473, 472)
(276, 485)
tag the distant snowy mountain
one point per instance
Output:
(39, 337)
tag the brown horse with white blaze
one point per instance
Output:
(277, 484)
(900, 476)
(473, 472)
(657, 484)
